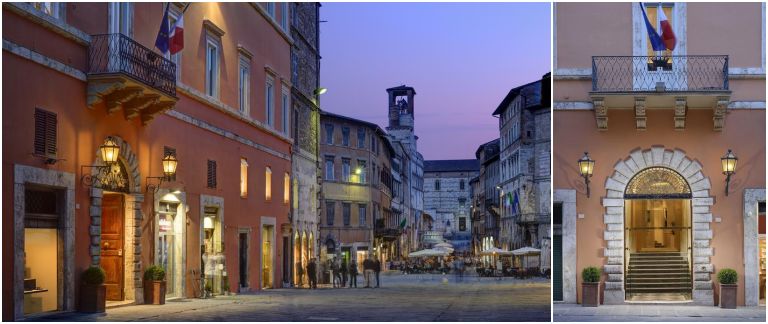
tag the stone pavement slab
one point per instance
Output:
(656, 313)
(401, 298)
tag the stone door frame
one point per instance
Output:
(567, 197)
(27, 175)
(751, 249)
(701, 202)
(132, 287)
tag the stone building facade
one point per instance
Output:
(657, 132)
(487, 210)
(305, 183)
(356, 188)
(69, 91)
(447, 199)
(524, 170)
(401, 132)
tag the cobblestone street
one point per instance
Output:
(656, 313)
(401, 298)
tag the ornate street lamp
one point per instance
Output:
(105, 176)
(169, 170)
(729, 167)
(586, 167)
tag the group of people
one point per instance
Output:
(311, 273)
(343, 273)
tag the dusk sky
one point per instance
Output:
(462, 59)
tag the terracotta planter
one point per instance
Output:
(590, 294)
(154, 292)
(93, 298)
(728, 296)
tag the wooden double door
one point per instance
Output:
(112, 244)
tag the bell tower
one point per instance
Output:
(401, 107)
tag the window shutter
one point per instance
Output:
(211, 174)
(45, 132)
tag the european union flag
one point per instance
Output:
(656, 42)
(162, 42)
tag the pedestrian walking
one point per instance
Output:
(336, 274)
(353, 273)
(299, 274)
(344, 272)
(377, 270)
(312, 273)
(368, 271)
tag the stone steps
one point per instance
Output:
(658, 272)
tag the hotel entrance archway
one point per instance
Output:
(658, 237)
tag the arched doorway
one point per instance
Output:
(617, 185)
(657, 236)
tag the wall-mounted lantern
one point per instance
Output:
(104, 177)
(169, 170)
(586, 167)
(729, 167)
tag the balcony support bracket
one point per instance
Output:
(719, 112)
(601, 113)
(681, 107)
(640, 117)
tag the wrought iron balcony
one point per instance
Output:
(125, 74)
(677, 73)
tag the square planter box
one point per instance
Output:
(154, 292)
(590, 294)
(93, 298)
(728, 296)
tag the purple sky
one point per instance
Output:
(461, 58)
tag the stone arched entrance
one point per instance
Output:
(701, 201)
(133, 198)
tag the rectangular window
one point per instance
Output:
(244, 85)
(345, 213)
(361, 171)
(361, 210)
(271, 9)
(361, 138)
(286, 188)
(462, 224)
(461, 184)
(329, 134)
(284, 15)
(268, 184)
(345, 170)
(45, 133)
(345, 136)
(269, 95)
(173, 16)
(329, 168)
(329, 212)
(52, 9)
(211, 175)
(243, 177)
(212, 69)
(285, 104)
(437, 184)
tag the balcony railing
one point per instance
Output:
(117, 53)
(686, 73)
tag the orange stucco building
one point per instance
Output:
(655, 216)
(79, 75)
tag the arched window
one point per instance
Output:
(437, 184)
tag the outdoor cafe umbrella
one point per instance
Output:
(428, 253)
(495, 250)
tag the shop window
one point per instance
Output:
(243, 177)
(268, 184)
(42, 257)
(45, 133)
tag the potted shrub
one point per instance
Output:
(93, 292)
(590, 287)
(728, 278)
(154, 285)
